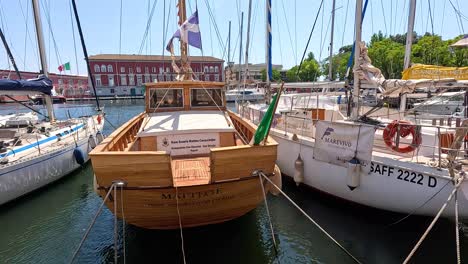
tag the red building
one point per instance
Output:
(124, 75)
(67, 85)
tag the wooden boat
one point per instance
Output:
(186, 154)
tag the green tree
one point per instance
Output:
(340, 62)
(388, 56)
(276, 75)
(460, 55)
(309, 71)
(431, 49)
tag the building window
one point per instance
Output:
(112, 90)
(122, 69)
(123, 80)
(130, 70)
(160, 77)
(111, 80)
(70, 83)
(146, 70)
(167, 69)
(98, 81)
(161, 70)
(205, 69)
(139, 80)
(131, 80)
(153, 69)
(207, 77)
(163, 98)
(103, 68)
(138, 69)
(96, 68)
(80, 83)
(110, 68)
(216, 77)
(211, 69)
(147, 79)
(60, 81)
(216, 69)
(168, 77)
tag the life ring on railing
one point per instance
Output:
(406, 128)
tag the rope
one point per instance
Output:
(115, 225)
(180, 224)
(310, 218)
(123, 224)
(92, 223)
(457, 230)
(433, 221)
(268, 214)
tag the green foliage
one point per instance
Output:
(276, 75)
(309, 71)
(387, 53)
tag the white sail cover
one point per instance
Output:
(338, 143)
(396, 87)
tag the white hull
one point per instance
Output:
(391, 185)
(35, 170)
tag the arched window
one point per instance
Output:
(109, 68)
(96, 68)
(205, 69)
(211, 69)
(216, 69)
(103, 68)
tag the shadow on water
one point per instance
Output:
(47, 226)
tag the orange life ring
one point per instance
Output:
(406, 128)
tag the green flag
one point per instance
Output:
(67, 66)
(264, 126)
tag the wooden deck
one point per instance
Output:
(191, 171)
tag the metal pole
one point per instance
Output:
(85, 52)
(357, 51)
(229, 53)
(409, 42)
(42, 55)
(247, 44)
(10, 55)
(330, 60)
(268, 50)
(240, 52)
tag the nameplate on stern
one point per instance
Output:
(338, 143)
(188, 144)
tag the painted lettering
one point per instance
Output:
(432, 182)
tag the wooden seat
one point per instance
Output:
(191, 171)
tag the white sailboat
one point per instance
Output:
(34, 154)
(397, 166)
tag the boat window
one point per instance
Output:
(173, 98)
(206, 97)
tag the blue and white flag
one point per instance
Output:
(188, 32)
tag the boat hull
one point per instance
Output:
(23, 176)
(390, 185)
(159, 208)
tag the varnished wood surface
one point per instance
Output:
(198, 205)
(191, 171)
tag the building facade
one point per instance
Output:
(124, 75)
(255, 71)
(64, 84)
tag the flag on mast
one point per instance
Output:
(188, 32)
(64, 67)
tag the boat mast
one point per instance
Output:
(10, 55)
(268, 50)
(229, 55)
(409, 42)
(246, 75)
(357, 51)
(240, 52)
(183, 46)
(40, 44)
(330, 60)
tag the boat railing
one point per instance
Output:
(437, 137)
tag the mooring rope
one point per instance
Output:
(457, 230)
(115, 226)
(268, 214)
(310, 218)
(454, 191)
(180, 224)
(92, 222)
(123, 225)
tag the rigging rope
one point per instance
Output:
(74, 41)
(51, 32)
(309, 218)
(148, 24)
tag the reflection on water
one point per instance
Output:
(47, 225)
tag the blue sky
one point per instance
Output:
(292, 22)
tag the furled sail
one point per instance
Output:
(394, 87)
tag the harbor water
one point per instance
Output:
(47, 225)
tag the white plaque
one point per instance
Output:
(188, 144)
